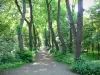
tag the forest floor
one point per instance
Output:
(44, 65)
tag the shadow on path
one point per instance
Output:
(44, 65)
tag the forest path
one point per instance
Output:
(44, 65)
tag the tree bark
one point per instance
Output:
(34, 33)
(46, 38)
(32, 23)
(20, 38)
(70, 18)
(58, 29)
(70, 47)
(79, 30)
(16, 2)
(29, 23)
(50, 26)
(30, 26)
(49, 37)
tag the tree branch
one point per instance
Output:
(16, 2)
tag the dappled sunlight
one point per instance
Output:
(40, 63)
(45, 69)
(35, 63)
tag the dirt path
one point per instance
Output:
(44, 65)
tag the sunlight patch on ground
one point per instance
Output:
(45, 69)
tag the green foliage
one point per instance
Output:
(7, 59)
(90, 55)
(6, 50)
(11, 65)
(68, 58)
(87, 67)
(27, 56)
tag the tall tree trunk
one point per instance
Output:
(34, 33)
(98, 50)
(53, 38)
(30, 36)
(70, 18)
(49, 37)
(46, 38)
(92, 48)
(70, 47)
(79, 30)
(50, 26)
(78, 34)
(30, 25)
(58, 29)
(20, 38)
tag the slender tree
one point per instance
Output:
(70, 46)
(50, 25)
(20, 38)
(77, 32)
(70, 18)
(30, 25)
(58, 29)
(79, 29)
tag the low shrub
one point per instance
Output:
(11, 65)
(86, 67)
(27, 56)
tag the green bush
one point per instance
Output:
(27, 56)
(87, 67)
(11, 65)
(6, 59)
(7, 46)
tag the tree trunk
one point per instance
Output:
(50, 26)
(58, 29)
(70, 47)
(49, 43)
(46, 38)
(98, 50)
(30, 26)
(78, 34)
(53, 38)
(79, 30)
(70, 18)
(34, 33)
(92, 48)
(30, 36)
(20, 38)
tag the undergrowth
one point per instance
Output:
(18, 60)
(11, 65)
(67, 58)
(84, 65)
